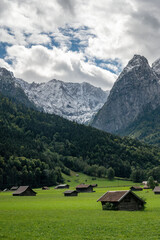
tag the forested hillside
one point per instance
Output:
(146, 127)
(36, 147)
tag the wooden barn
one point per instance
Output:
(121, 200)
(156, 190)
(45, 188)
(94, 185)
(24, 191)
(71, 193)
(14, 188)
(84, 188)
(136, 188)
(61, 186)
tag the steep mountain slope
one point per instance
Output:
(136, 88)
(146, 127)
(10, 88)
(34, 144)
(74, 101)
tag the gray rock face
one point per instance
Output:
(10, 88)
(136, 87)
(75, 101)
(156, 67)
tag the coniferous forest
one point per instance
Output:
(35, 148)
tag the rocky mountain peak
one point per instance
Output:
(5, 73)
(137, 63)
(156, 67)
(137, 86)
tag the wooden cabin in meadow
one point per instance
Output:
(156, 190)
(24, 191)
(45, 188)
(5, 190)
(136, 188)
(70, 193)
(146, 186)
(14, 188)
(62, 186)
(94, 185)
(84, 188)
(121, 200)
(144, 182)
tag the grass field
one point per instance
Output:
(51, 216)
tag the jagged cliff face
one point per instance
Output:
(10, 88)
(74, 101)
(136, 87)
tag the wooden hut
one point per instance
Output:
(14, 188)
(136, 188)
(45, 188)
(146, 187)
(61, 186)
(156, 190)
(24, 191)
(121, 200)
(144, 182)
(94, 185)
(5, 190)
(84, 188)
(71, 193)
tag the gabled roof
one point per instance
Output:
(14, 188)
(61, 186)
(116, 196)
(83, 186)
(94, 185)
(136, 187)
(156, 189)
(22, 189)
(112, 196)
(70, 191)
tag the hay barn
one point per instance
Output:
(136, 188)
(71, 193)
(61, 186)
(24, 191)
(121, 200)
(14, 188)
(84, 188)
(156, 190)
(45, 188)
(94, 185)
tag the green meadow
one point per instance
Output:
(51, 216)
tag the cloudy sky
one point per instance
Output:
(77, 40)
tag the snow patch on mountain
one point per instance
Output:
(75, 101)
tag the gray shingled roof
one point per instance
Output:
(22, 189)
(70, 191)
(156, 189)
(83, 186)
(116, 196)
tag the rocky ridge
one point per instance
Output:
(75, 101)
(136, 88)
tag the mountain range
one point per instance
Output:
(75, 101)
(134, 96)
(132, 107)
